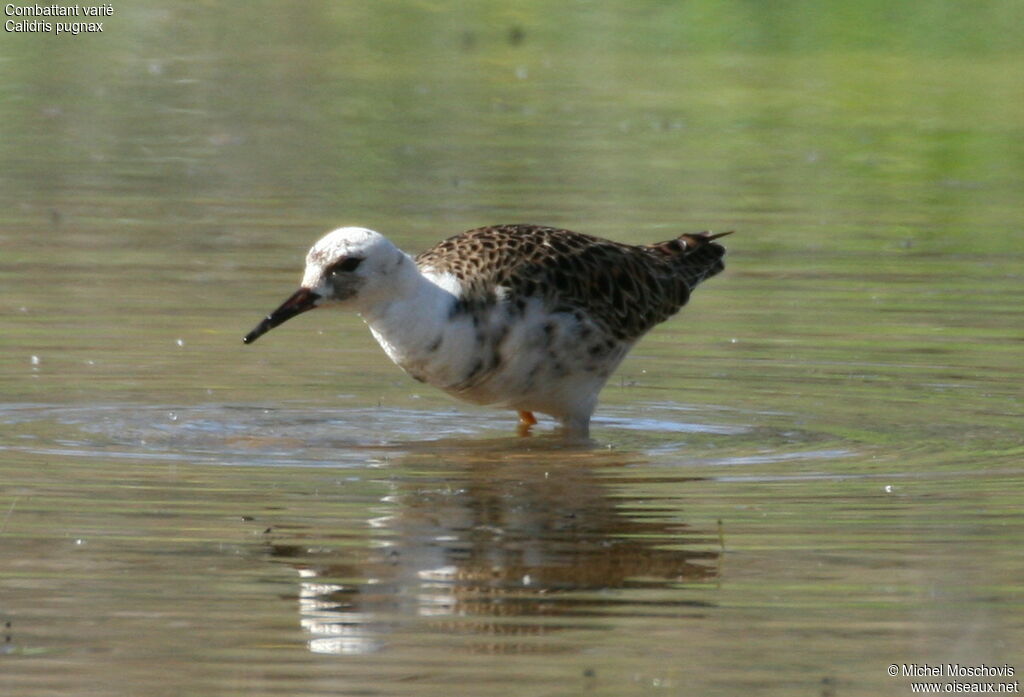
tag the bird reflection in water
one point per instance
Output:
(498, 551)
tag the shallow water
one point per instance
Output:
(814, 472)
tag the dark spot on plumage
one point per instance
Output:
(461, 307)
(477, 367)
(435, 344)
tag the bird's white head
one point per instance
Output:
(352, 267)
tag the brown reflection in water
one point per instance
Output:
(495, 549)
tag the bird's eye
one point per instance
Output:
(346, 264)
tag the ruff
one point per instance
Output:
(525, 317)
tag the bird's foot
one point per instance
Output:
(526, 421)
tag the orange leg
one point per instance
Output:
(526, 420)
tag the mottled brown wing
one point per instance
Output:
(627, 289)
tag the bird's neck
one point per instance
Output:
(409, 322)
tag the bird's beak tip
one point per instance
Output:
(301, 300)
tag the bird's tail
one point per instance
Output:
(696, 255)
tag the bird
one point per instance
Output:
(526, 317)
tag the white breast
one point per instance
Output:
(531, 359)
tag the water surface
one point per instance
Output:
(812, 473)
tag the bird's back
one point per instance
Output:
(624, 288)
